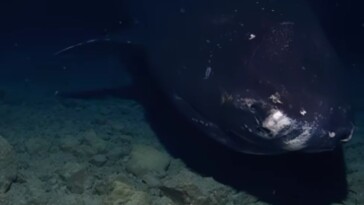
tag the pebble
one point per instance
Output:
(98, 160)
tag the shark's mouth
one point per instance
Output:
(293, 134)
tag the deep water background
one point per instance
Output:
(32, 31)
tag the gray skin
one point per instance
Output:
(257, 76)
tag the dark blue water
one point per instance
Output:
(72, 122)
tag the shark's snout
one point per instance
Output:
(294, 134)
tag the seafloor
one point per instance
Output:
(71, 152)
(94, 152)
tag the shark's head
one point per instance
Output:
(293, 99)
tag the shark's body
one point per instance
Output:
(257, 76)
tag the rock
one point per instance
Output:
(90, 144)
(75, 176)
(91, 139)
(8, 166)
(117, 126)
(163, 201)
(175, 166)
(98, 160)
(101, 188)
(84, 151)
(125, 194)
(147, 159)
(189, 188)
(69, 144)
(105, 185)
(119, 152)
(151, 180)
(36, 145)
